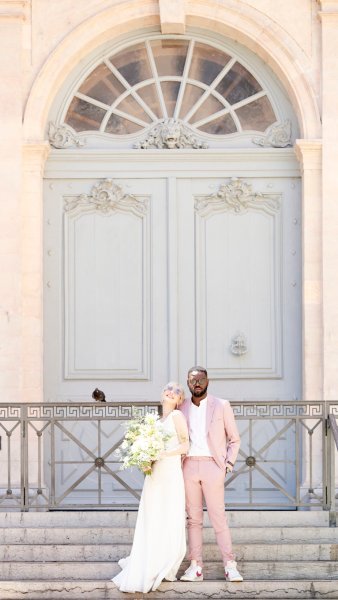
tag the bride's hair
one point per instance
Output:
(173, 385)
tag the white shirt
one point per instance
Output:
(197, 430)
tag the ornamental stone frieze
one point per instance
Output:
(63, 136)
(237, 196)
(14, 9)
(106, 197)
(170, 134)
(276, 136)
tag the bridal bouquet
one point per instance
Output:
(143, 442)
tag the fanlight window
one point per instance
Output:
(186, 80)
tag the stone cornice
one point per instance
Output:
(328, 5)
(328, 10)
(34, 155)
(309, 153)
(14, 9)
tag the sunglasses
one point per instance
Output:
(201, 381)
(171, 388)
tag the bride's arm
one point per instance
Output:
(182, 434)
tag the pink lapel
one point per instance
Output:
(185, 409)
(210, 411)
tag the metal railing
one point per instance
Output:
(62, 456)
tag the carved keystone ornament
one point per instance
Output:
(170, 134)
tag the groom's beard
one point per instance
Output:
(199, 392)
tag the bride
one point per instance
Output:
(159, 544)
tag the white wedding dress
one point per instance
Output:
(159, 544)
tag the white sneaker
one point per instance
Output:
(193, 573)
(231, 572)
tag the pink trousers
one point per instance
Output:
(203, 477)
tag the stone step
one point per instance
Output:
(218, 590)
(117, 518)
(109, 535)
(113, 552)
(74, 571)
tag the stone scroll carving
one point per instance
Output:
(170, 134)
(237, 196)
(106, 197)
(63, 136)
(277, 135)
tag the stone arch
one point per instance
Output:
(246, 25)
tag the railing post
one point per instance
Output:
(333, 514)
(24, 459)
(52, 465)
(331, 421)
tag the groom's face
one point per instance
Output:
(198, 383)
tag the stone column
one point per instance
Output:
(34, 158)
(12, 15)
(329, 21)
(309, 154)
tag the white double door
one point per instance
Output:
(148, 276)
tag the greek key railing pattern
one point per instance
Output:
(63, 455)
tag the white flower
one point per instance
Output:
(143, 442)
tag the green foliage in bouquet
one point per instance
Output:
(143, 443)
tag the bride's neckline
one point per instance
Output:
(163, 419)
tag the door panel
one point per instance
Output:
(240, 289)
(106, 316)
(146, 277)
(106, 325)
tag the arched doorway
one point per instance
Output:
(173, 226)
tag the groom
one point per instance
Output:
(214, 445)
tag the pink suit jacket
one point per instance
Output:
(222, 433)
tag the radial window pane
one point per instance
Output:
(192, 93)
(170, 56)
(170, 91)
(257, 115)
(221, 126)
(132, 107)
(83, 116)
(149, 95)
(207, 63)
(182, 65)
(102, 85)
(210, 106)
(238, 84)
(133, 64)
(120, 126)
